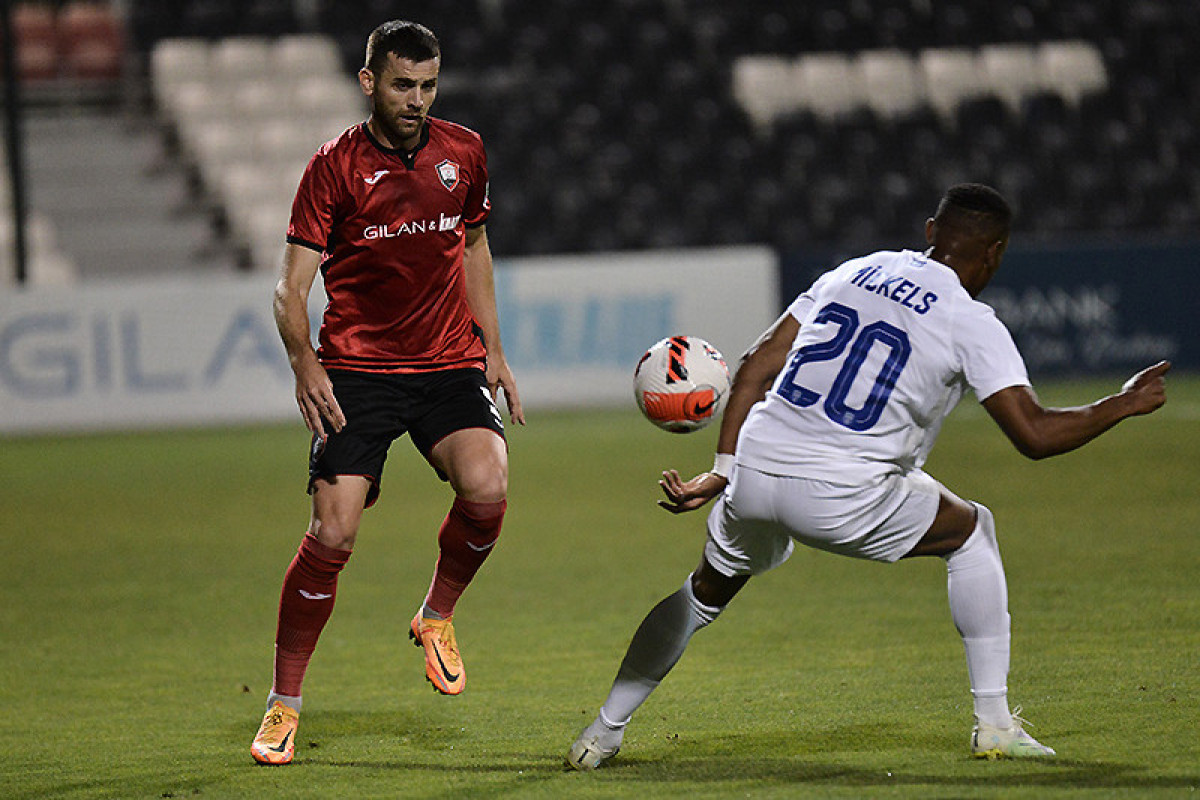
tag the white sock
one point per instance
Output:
(291, 702)
(659, 642)
(979, 606)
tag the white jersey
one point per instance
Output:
(887, 345)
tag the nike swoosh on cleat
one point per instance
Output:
(282, 745)
(314, 595)
(449, 675)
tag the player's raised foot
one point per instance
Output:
(595, 746)
(988, 741)
(275, 741)
(443, 664)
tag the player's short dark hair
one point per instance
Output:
(975, 209)
(403, 39)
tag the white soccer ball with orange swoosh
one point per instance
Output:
(681, 384)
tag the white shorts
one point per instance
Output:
(752, 526)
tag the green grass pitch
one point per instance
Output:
(143, 570)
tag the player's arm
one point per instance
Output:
(481, 297)
(1039, 432)
(755, 374)
(314, 391)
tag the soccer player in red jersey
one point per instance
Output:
(392, 213)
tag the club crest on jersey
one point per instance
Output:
(448, 174)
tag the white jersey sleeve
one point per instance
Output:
(987, 353)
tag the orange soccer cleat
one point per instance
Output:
(275, 742)
(443, 664)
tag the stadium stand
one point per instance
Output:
(650, 123)
(248, 112)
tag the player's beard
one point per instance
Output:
(401, 132)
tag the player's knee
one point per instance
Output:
(714, 589)
(335, 534)
(985, 523)
(482, 482)
(485, 488)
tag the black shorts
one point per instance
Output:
(381, 408)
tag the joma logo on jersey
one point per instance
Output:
(442, 223)
(448, 174)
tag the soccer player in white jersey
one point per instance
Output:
(831, 416)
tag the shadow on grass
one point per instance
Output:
(837, 757)
(831, 757)
(739, 769)
(860, 755)
(1051, 773)
(409, 750)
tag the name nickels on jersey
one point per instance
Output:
(894, 287)
(408, 228)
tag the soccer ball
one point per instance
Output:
(681, 384)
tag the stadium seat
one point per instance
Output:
(306, 55)
(240, 57)
(1011, 73)
(253, 189)
(174, 62)
(287, 141)
(36, 36)
(338, 100)
(194, 102)
(890, 84)
(765, 87)
(828, 84)
(986, 124)
(218, 146)
(265, 231)
(950, 75)
(259, 97)
(91, 41)
(1073, 69)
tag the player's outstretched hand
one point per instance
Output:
(1147, 389)
(688, 496)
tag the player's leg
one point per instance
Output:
(310, 583)
(463, 438)
(656, 647)
(344, 473)
(740, 544)
(965, 535)
(305, 605)
(475, 462)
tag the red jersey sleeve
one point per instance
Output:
(315, 203)
(478, 205)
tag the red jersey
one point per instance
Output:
(391, 226)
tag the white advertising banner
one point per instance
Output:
(204, 350)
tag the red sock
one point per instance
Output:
(464, 542)
(309, 590)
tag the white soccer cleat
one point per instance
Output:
(587, 754)
(596, 745)
(988, 741)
